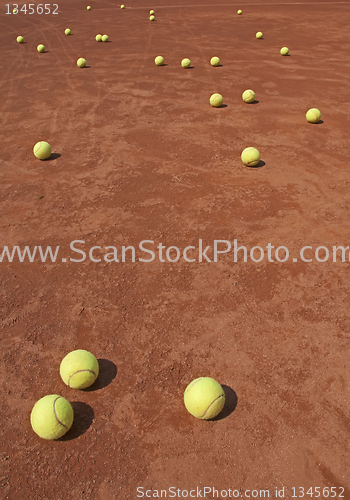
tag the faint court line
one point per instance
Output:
(316, 2)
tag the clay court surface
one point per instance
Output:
(139, 154)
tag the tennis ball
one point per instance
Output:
(42, 150)
(313, 115)
(122, 6)
(98, 38)
(20, 39)
(250, 157)
(15, 11)
(79, 369)
(151, 12)
(204, 398)
(151, 18)
(67, 31)
(215, 61)
(185, 63)
(248, 95)
(81, 62)
(51, 417)
(88, 7)
(105, 38)
(284, 51)
(239, 12)
(159, 60)
(40, 48)
(216, 100)
(259, 34)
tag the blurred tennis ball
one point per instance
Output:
(248, 95)
(250, 157)
(215, 61)
(216, 100)
(159, 60)
(42, 150)
(81, 62)
(313, 115)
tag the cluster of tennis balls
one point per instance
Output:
(81, 62)
(250, 156)
(52, 415)
(186, 63)
(151, 15)
(101, 38)
(284, 50)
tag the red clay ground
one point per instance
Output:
(139, 154)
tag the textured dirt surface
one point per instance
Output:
(139, 154)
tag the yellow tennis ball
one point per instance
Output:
(151, 18)
(81, 62)
(98, 38)
(79, 369)
(313, 115)
(259, 34)
(239, 12)
(88, 7)
(67, 31)
(159, 60)
(204, 398)
(248, 95)
(122, 6)
(185, 63)
(105, 38)
(42, 150)
(151, 12)
(215, 61)
(284, 51)
(51, 417)
(40, 48)
(216, 100)
(250, 157)
(15, 11)
(20, 39)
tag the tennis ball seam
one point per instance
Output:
(40, 144)
(193, 384)
(250, 162)
(81, 371)
(54, 410)
(211, 404)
